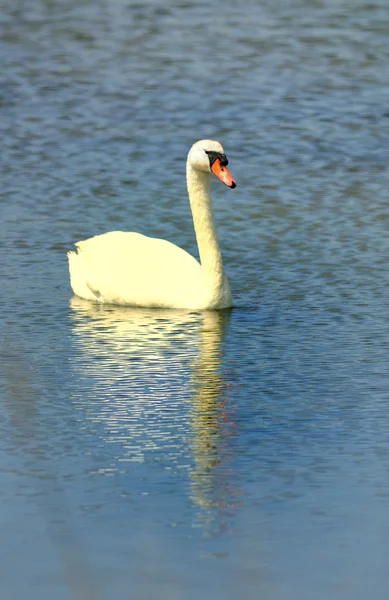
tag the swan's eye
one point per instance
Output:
(217, 155)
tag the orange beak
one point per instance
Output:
(223, 174)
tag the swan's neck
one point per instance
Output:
(210, 256)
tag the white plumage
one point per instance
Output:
(132, 269)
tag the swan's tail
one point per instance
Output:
(78, 279)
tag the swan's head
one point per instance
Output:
(207, 156)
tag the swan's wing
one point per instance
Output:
(130, 268)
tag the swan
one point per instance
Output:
(127, 268)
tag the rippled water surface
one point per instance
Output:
(168, 454)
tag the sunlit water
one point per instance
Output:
(167, 454)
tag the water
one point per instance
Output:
(184, 455)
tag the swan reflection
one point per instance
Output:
(152, 386)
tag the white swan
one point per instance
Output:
(131, 269)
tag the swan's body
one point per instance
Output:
(135, 270)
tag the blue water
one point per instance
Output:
(152, 454)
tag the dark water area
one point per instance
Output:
(174, 454)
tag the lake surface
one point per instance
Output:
(169, 454)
